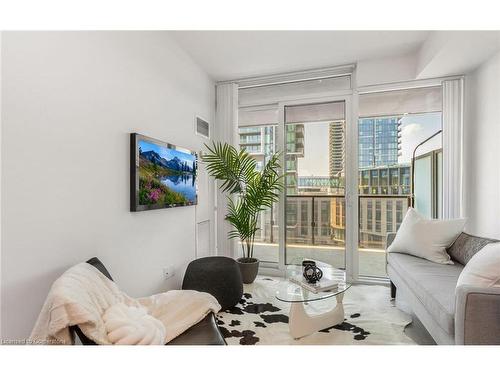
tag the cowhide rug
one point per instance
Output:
(259, 318)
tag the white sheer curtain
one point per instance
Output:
(453, 148)
(226, 125)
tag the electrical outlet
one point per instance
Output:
(168, 272)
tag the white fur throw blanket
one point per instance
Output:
(131, 325)
(82, 295)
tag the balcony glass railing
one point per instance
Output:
(378, 215)
(309, 219)
(315, 227)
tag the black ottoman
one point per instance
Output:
(219, 276)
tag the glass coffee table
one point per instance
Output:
(300, 322)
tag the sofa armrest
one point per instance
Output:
(477, 316)
(389, 239)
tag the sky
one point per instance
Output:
(316, 145)
(414, 129)
(165, 152)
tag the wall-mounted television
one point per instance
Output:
(161, 175)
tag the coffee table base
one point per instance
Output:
(302, 324)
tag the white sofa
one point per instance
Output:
(467, 315)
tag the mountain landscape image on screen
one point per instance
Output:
(166, 176)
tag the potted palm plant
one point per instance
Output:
(250, 192)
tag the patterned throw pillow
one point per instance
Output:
(465, 246)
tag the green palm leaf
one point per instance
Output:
(254, 191)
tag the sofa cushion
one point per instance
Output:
(483, 270)
(426, 238)
(465, 246)
(432, 283)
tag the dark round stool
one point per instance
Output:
(219, 276)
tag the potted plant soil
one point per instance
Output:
(250, 192)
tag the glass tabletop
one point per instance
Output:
(290, 291)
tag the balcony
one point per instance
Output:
(315, 228)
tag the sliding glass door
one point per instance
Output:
(314, 203)
(310, 219)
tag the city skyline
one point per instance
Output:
(414, 129)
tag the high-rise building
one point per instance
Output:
(336, 148)
(384, 198)
(394, 180)
(259, 141)
(378, 141)
(380, 174)
(294, 136)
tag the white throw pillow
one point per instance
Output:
(129, 325)
(483, 269)
(426, 238)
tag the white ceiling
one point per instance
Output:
(227, 55)
(456, 52)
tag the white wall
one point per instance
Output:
(386, 70)
(70, 100)
(482, 149)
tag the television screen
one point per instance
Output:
(162, 175)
